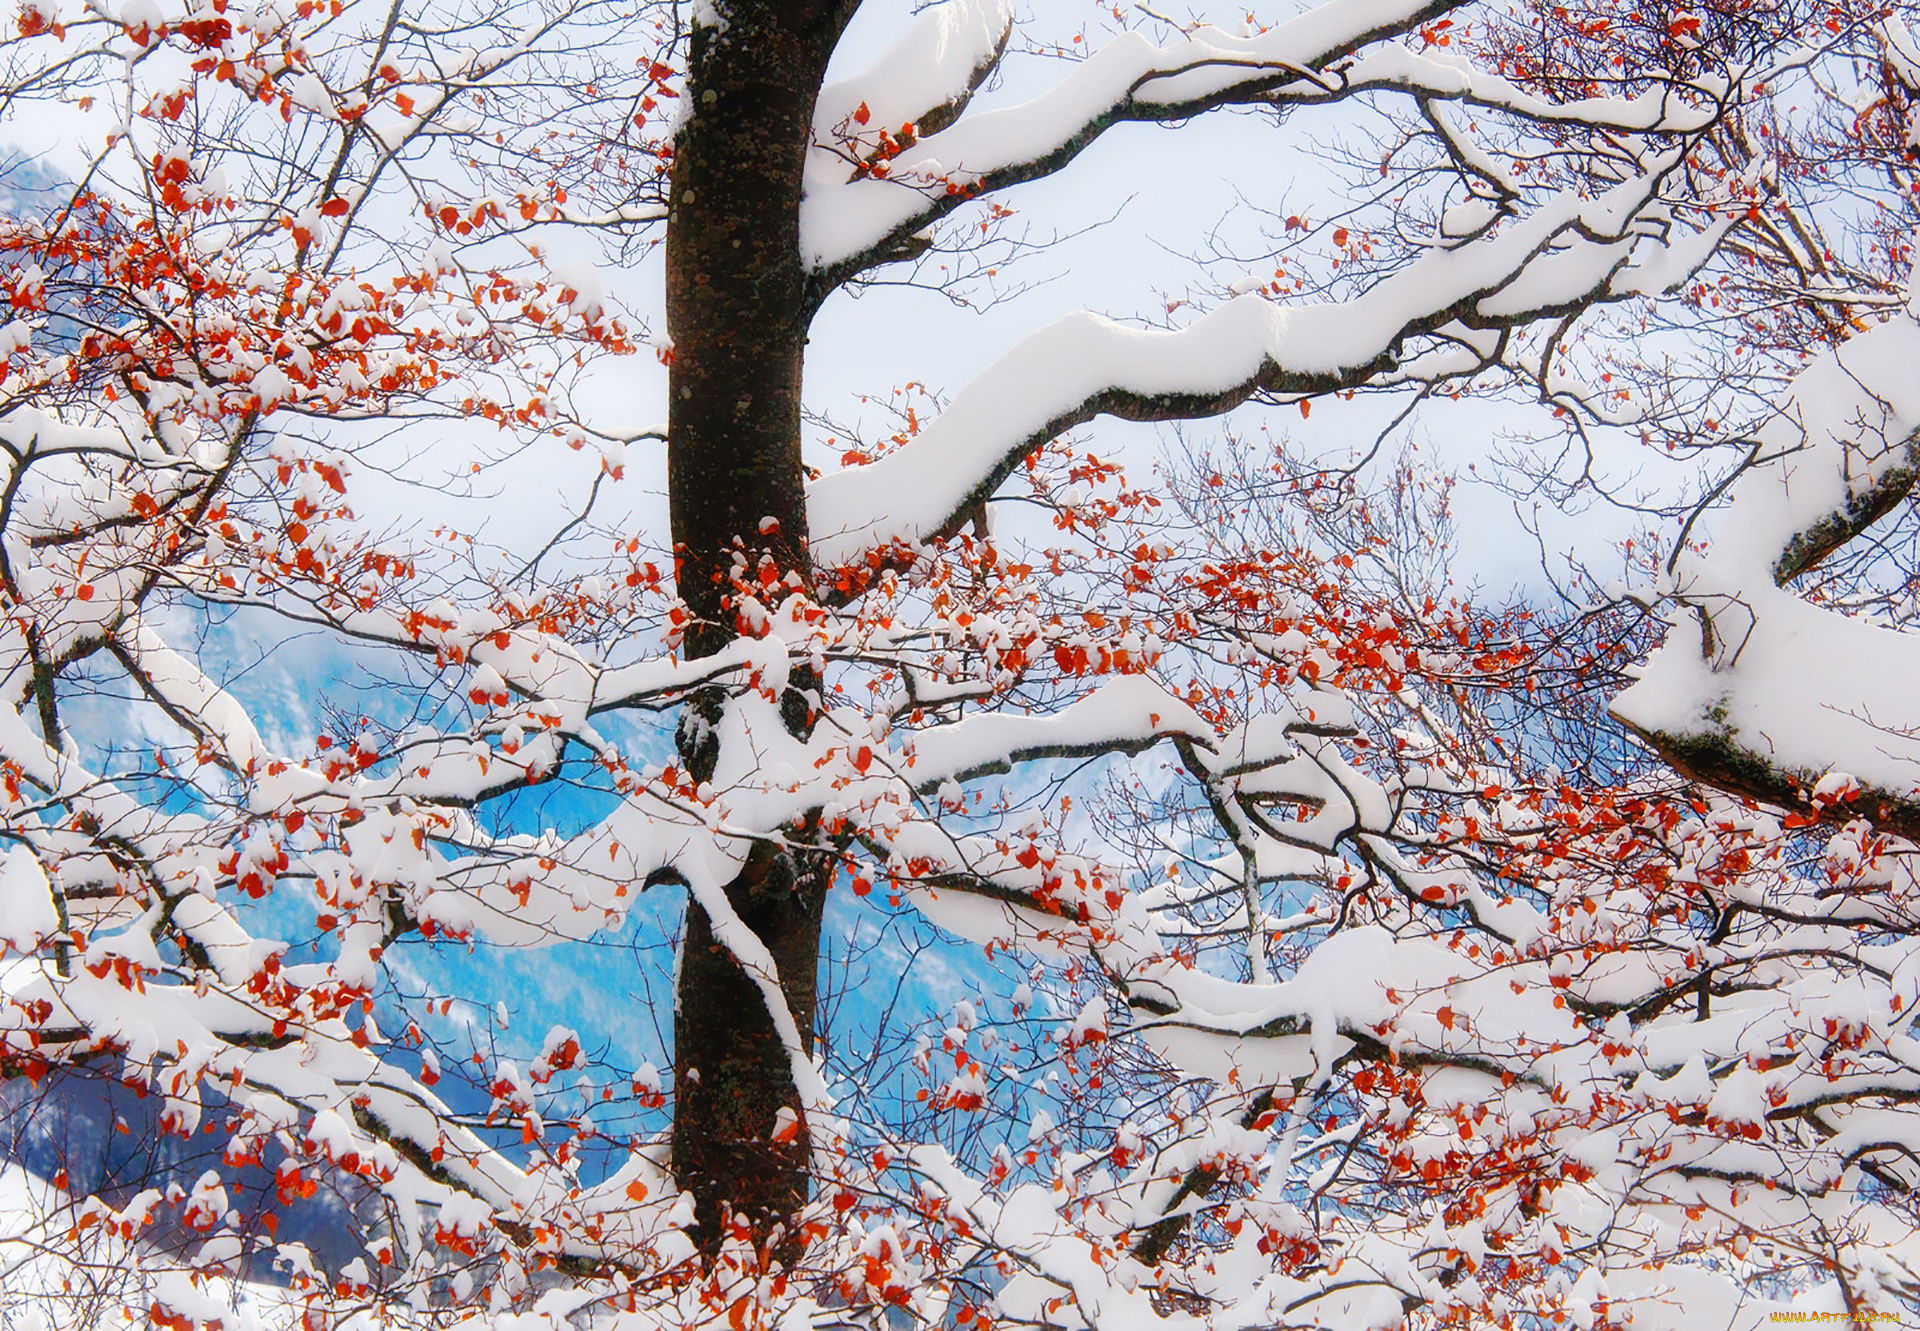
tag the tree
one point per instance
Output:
(1398, 998)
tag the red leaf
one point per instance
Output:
(862, 116)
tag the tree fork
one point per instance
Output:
(738, 305)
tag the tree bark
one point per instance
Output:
(737, 311)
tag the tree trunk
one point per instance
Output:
(737, 311)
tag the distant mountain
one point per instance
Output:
(108, 1139)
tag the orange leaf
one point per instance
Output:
(636, 1191)
(1306, 408)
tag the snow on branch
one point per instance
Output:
(1124, 715)
(1568, 252)
(926, 77)
(28, 433)
(185, 693)
(1756, 688)
(869, 189)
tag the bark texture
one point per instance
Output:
(737, 311)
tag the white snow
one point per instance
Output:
(27, 910)
(1808, 688)
(1052, 378)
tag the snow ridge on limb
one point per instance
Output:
(852, 218)
(926, 77)
(1757, 689)
(1124, 715)
(870, 190)
(1568, 252)
(28, 434)
(185, 693)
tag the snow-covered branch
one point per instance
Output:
(1569, 252)
(1757, 688)
(864, 202)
